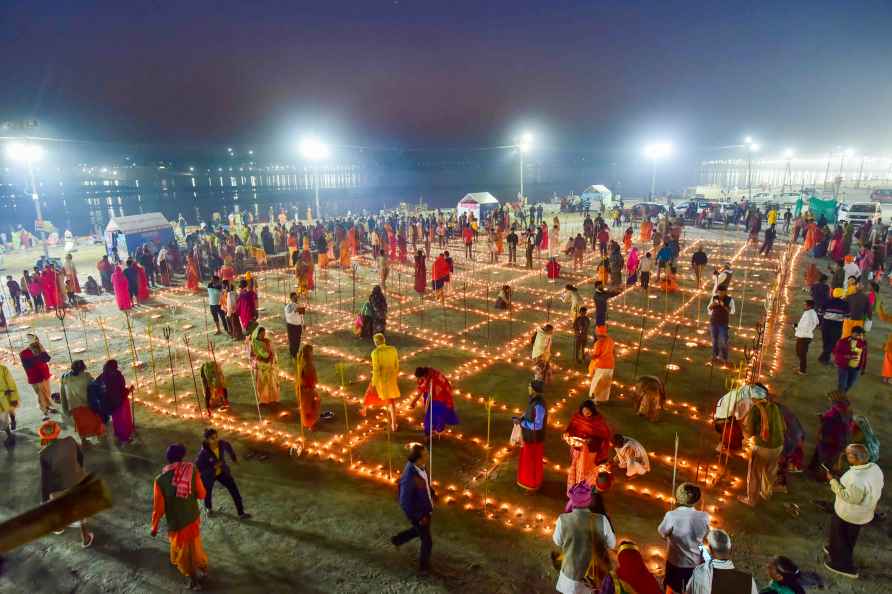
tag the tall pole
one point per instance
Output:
(521, 172)
(36, 197)
(653, 179)
(749, 173)
(318, 208)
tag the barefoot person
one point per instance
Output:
(175, 497)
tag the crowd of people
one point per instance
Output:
(590, 557)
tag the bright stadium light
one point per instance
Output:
(313, 149)
(524, 144)
(24, 152)
(656, 151)
(788, 153)
(29, 154)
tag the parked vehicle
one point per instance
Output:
(646, 209)
(858, 213)
(882, 195)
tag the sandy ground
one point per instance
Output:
(317, 528)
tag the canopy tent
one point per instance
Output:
(480, 204)
(130, 232)
(598, 194)
(818, 207)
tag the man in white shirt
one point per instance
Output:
(857, 493)
(718, 575)
(805, 332)
(683, 528)
(294, 322)
(631, 455)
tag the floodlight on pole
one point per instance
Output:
(751, 147)
(655, 152)
(315, 150)
(788, 155)
(29, 154)
(524, 145)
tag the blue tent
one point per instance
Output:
(130, 232)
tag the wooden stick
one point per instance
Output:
(85, 499)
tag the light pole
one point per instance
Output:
(788, 155)
(751, 147)
(313, 149)
(655, 152)
(29, 154)
(524, 145)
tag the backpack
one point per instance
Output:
(108, 402)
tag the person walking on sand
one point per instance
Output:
(417, 497)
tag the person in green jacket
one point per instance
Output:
(764, 426)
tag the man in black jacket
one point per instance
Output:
(212, 466)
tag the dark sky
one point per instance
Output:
(453, 73)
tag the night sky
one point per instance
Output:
(452, 73)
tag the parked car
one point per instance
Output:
(858, 213)
(882, 195)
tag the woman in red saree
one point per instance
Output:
(50, 288)
(122, 290)
(191, 273)
(142, 291)
(420, 273)
(589, 437)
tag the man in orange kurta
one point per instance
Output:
(601, 367)
(176, 493)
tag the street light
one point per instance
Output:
(788, 155)
(751, 147)
(524, 145)
(313, 149)
(29, 154)
(655, 152)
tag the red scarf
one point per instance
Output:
(182, 477)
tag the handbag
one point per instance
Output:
(516, 435)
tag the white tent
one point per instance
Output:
(477, 203)
(128, 233)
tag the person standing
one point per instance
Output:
(266, 369)
(580, 333)
(15, 291)
(684, 529)
(857, 493)
(34, 359)
(420, 284)
(9, 402)
(305, 383)
(584, 538)
(175, 496)
(512, 240)
(61, 468)
(850, 356)
(246, 307)
(212, 466)
(383, 388)
(468, 237)
(764, 425)
(835, 313)
(601, 297)
(116, 401)
(805, 332)
(720, 310)
(647, 265)
(718, 575)
(698, 263)
(860, 308)
(768, 243)
(132, 276)
(75, 402)
(215, 291)
(294, 323)
(417, 497)
(601, 367)
(532, 426)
